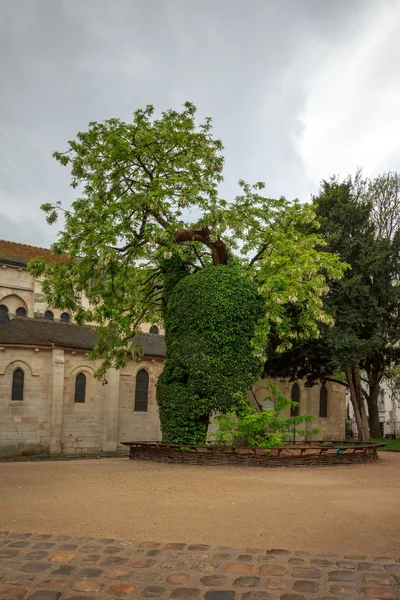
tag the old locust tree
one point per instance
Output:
(150, 240)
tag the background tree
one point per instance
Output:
(384, 194)
(392, 378)
(148, 195)
(359, 222)
(383, 265)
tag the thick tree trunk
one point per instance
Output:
(360, 398)
(182, 419)
(357, 400)
(354, 401)
(218, 248)
(372, 401)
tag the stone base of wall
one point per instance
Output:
(51, 457)
(293, 455)
(23, 450)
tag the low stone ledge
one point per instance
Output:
(310, 454)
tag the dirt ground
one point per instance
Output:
(343, 509)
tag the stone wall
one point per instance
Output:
(48, 420)
(333, 426)
(17, 289)
(138, 426)
(82, 423)
(24, 426)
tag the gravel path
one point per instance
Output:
(341, 509)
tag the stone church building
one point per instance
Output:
(50, 401)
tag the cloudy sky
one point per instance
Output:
(298, 89)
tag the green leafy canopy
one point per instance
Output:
(147, 192)
(359, 220)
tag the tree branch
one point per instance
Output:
(160, 220)
(218, 248)
(258, 255)
(198, 255)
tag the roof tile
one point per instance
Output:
(23, 253)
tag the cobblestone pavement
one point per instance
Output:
(44, 567)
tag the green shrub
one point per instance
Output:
(264, 430)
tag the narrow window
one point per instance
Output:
(20, 312)
(153, 329)
(17, 392)
(65, 317)
(142, 391)
(48, 315)
(323, 402)
(295, 396)
(80, 388)
(3, 313)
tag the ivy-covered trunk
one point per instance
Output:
(183, 419)
(210, 319)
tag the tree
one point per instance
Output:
(392, 378)
(141, 184)
(359, 223)
(210, 321)
(383, 267)
(384, 193)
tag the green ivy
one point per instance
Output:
(173, 270)
(210, 319)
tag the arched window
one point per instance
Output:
(323, 402)
(295, 396)
(65, 317)
(153, 329)
(20, 312)
(17, 391)
(80, 388)
(48, 315)
(142, 391)
(3, 313)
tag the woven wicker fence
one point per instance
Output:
(311, 454)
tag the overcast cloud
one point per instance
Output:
(298, 89)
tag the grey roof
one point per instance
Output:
(40, 332)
